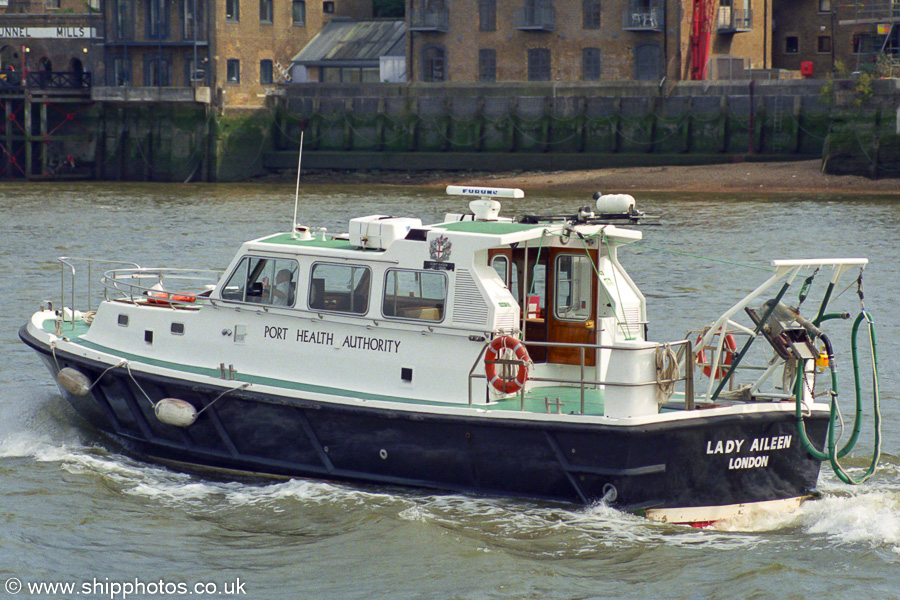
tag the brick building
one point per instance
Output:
(46, 35)
(234, 49)
(238, 48)
(576, 40)
(834, 36)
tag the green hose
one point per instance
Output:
(832, 455)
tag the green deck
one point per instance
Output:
(488, 227)
(553, 399)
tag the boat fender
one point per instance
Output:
(177, 412)
(74, 381)
(500, 348)
(729, 349)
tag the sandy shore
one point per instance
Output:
(801, 177)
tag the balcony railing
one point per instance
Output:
(429, 19)
(644, 16)
(71, 80)
(535, 18)
(732, 20)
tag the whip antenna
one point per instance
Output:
(299, 231)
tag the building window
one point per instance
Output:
(192, 17)
(156, 72)
(232, 10)
(824, 46)
(265, 11)
(51, 3)
(824, 6)
(328, 7)
(234, 71)
(539, 64)
(591, 14)
(434, 63)
(298, 12)
(124, 19)
(487, 65)
(648, 62)
(194, 75)
(121, 71)
(590, 64)
(157, 19)
(487, 15)
(791, 44)
(265, 71)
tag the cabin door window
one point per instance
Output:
(572, 318)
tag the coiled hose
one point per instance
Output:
(832, 454)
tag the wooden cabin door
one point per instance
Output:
(524, 273)
(571, 312)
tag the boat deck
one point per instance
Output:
(553, 399)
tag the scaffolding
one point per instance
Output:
(881, 44)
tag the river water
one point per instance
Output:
(76, 512)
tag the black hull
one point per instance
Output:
(663, 465)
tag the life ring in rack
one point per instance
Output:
(729, 349)
(505, 348)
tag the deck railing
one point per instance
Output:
(160, 287)
(164, 287)
(683, 370)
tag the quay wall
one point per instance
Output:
(395, 126)
(854, 128)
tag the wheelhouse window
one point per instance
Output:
(420, 295)
(340, 288)
(509, 273)
(573, 287)
(270, 281)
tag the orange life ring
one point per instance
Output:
(166, 299)
(729, 349)
(504, 345)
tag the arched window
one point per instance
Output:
(434, 63)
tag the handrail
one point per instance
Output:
(583, 382)
(132, 284)
(69, 261)
(117, 280)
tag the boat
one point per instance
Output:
(483, 355)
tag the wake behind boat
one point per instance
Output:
(482, 355)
